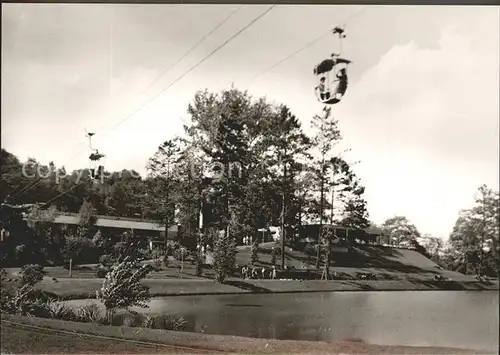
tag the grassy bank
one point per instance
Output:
(16, 340)
(394, 270)
(86, 288)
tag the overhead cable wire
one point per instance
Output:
(292, 55)
(307, 45)
(196, 45)
(177, 80)
(16, 194)
(231, 14)
(194, 67)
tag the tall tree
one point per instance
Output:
(189, 196)
(400, 229)
(327, 136)
(287, 150)
(219, 129)
(162, 182)
(355, 212)
(474, 238)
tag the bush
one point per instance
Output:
(101, 272)
(254, 253)
(122, 287)
(144, 254)
(171, 247)
(61, 311)
(31, 274)
(157, 257)
(6, 291)
(132, 320)
(166, 322)
(90, 313)
(25, 302)
(181, 254)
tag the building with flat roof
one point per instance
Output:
(103, 223)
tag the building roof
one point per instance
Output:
(115, 222)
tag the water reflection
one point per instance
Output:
(434, 318)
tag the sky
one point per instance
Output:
(421, 113)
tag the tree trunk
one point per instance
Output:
(226, 202)
(329, 241)
(109, 315)
(283, 229)
(318, 252)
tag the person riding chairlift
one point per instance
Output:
(342, 85)
(324, 93)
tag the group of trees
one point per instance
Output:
(243, 164)
(248, 162)
(472, 247)
(252, 164)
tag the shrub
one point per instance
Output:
(132, 320)
(254, 253)
(166, 322)
(149, 321)
(172, 247)
(224, 255)
(128, 247)
(122, 287)
(144, 254)
(6, 292)
(157, 257)
(60, 311)
(181, 253)
(25, 302)
(31, 274)
(101, 271)
(90, 313)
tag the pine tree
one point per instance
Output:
(224, 256)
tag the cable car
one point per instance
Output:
(96, 169)
(332, 75)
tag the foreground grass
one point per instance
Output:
(19, 340)
(16, 340)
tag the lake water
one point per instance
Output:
(460, 319)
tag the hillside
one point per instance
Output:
(385, 262)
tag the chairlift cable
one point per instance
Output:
(34, 182)
(61, 194)
(292, 55)
(231, 14)
(193, 67)
(180, 77)
(309, 44)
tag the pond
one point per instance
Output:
(459, 319)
